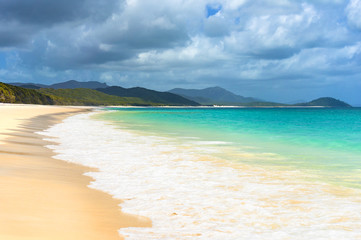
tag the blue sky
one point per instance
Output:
(276, 50)
(213, 9)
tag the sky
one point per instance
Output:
(276, 50)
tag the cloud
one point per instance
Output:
(252, 46)
(20, 20)
(136, 27)
(213, 9)
(216, 26)
(13, 34)
(44, 12)
(277, 36)
(353, 10)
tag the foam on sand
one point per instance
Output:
(42, 198)
(189, 193)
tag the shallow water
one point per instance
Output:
(230, 173)
(323, 142)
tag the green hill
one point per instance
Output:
(72, 84)
(79, 96)
(326, 102)
(62, 85)
(162, 98)
(125, 96)
(13, 94)
(90, 97)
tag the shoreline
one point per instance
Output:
(191, 190)
(46, 198)
(228, 107)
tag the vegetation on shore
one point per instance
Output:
(164, 98)
(137, 96)
(90, 97)
(13, 94)
(79, 96)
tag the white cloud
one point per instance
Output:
(234, 4)
(353, 10)
(276, 36)
(174, 43)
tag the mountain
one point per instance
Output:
(90, 97)
(213, 96)
(147, 95)
(79, 96)
(29, 85)
(75, 84)
(14, 94)
(71, 84)
(326, 102)
(85, 96)
(137, 96)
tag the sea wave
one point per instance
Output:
(190, 193)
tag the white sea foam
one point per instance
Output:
(190, 194)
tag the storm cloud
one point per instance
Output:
(21, 19)
(276, 50)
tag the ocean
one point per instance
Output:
(224, 173)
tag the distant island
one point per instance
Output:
(325, 102)
(100, 94)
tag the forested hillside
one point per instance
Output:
(13, 94)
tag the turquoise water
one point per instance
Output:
(224, 173)
(325, 144)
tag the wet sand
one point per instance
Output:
(45, 198)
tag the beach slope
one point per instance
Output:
(45, 198)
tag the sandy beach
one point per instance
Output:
(45, 198)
